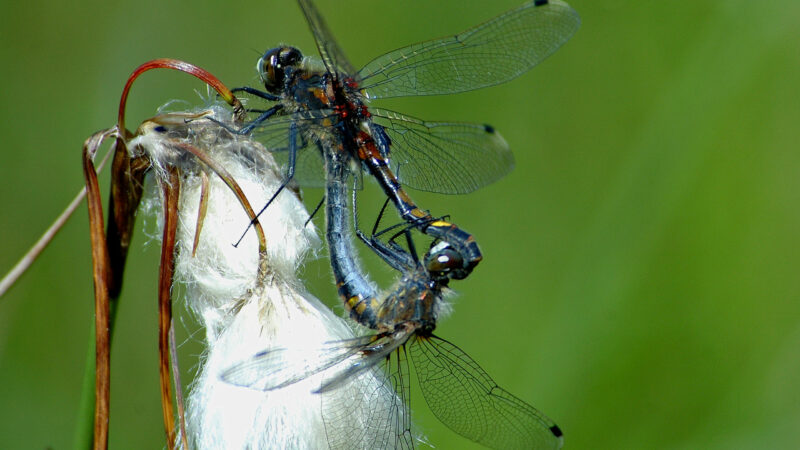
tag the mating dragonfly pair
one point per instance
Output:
(326, 107)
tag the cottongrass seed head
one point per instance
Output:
(244, 311)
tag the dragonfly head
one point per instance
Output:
(272, 66)
(444, 263)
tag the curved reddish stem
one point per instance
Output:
(183, 66)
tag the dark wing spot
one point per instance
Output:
(160, 129)
(554, 429)
(488, 128)
(539, 2)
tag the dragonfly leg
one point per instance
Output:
(245, 130)
(257, 93)
(289, 175)
(405, 225)
(316, 210)
(392, 254)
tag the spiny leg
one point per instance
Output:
(289, 175)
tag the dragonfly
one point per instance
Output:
(457, 390)
(326, 105)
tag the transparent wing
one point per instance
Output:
(371, 411)
(309, 169)
(488, 54)
(372, 350)
(469, 402)
(274, 135)
(280, 367)
(444, 157)
(362, 407)
(274, 132)
(332, 56)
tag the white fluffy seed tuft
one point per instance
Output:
(242, 314)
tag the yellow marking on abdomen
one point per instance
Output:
(441, 223)
(353, 301)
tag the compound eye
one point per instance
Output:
(290, 56)
(272, 66)
(444, 261)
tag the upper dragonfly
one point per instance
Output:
(327, 105)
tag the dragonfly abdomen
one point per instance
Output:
(357, 293)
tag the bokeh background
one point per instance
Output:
(640, 282)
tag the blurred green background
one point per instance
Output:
(640, 282)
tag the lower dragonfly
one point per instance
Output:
(459, 393)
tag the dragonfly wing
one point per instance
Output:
(444, 157)
(276, 368)
(332, 56)
(373, 350)
(370, 411)
(490, 53)
(274, 135)
(362, 407)
(279, 367)
(466, 399)
(309, 169)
